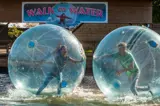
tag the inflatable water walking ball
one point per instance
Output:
(46, 58)
(126, 63)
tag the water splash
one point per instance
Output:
(86, 94)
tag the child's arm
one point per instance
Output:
(57, 48)
(103, 56)
(75, 61)
(51, 53)
(57, 15)
(68, 17)
(131, 66)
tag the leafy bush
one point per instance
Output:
(13, 33)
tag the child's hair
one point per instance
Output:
(122, 44)
(62, 46)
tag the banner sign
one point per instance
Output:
(68, 14)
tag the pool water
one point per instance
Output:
(87, 94)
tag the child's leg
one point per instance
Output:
(45, 83)
(141, 88)
(134, 83)
(133, 86)
(59, 83)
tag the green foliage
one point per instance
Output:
(88, 51)
(156, 11)
(13, 33)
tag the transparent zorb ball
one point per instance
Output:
(32, 58)
(143, 47)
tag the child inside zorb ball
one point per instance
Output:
(130, 67)
(61, 58)
(40, 56)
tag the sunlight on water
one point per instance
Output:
(82, 96)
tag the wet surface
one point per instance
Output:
(5, 83)
(87, 94)
(87, 91)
